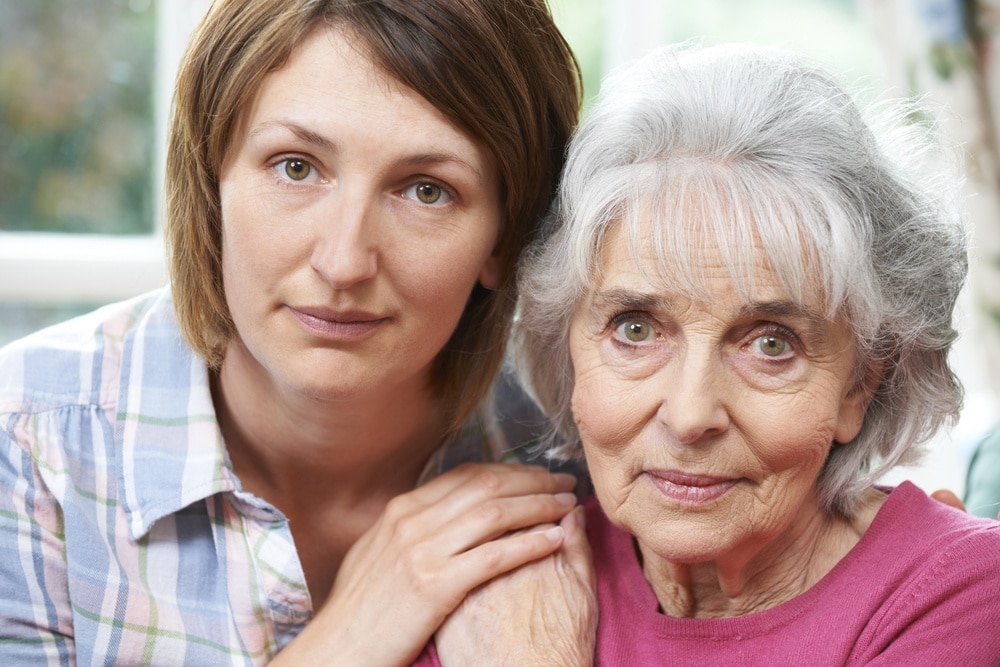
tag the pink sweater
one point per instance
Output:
(922, 587)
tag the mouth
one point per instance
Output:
(688, 488)
(346, 324)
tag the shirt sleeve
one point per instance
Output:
(36, 624)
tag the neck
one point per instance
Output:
(759, 576)
(294, 449)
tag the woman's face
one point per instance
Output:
(705, 425)
(356, 221)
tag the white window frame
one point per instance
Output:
(46, 268)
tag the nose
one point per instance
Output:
(692, 405)
(346, 253)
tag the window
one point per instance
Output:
(84, 88)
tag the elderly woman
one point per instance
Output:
(757, 296)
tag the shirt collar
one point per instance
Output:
(169, 442)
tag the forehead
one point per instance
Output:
(630, 258)
(330, 84)
(698, 230)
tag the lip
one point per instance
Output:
(690, 488)
(338, 324)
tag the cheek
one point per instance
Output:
(795, 435)
(258, 239)
(439, 283)
(606, 416)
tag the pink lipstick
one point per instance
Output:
(687, 488)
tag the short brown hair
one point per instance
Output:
(500, 71)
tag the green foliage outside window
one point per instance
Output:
(76, 117)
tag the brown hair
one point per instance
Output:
(500, 71)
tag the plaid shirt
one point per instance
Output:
(125, 538)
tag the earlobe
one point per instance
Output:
(489, 276)
(853, 408)
(850, 419)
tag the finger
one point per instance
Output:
(472, 487)
(576, 547)
(948, 498)
(492, 559)
(493, 480)
(502, 516)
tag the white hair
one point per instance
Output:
(766, 155)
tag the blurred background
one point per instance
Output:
(85, 88)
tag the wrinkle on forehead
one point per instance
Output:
(686, 222)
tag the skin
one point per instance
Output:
(705, 426)
(543, 613)
(356, 221)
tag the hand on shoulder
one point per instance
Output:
(543, 613)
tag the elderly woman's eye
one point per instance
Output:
(297, 170)
(635, 331)
(771, 346)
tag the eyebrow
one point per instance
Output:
(621, 299)
(326, 144)
(783, 309)
(303, 133)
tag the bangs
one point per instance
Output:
(692, 214)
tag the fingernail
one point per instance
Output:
(566, 499)
(554, 534)
(565, 477)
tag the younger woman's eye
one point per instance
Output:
(635, 331)
(295, 168)
(427, 193)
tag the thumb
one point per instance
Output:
(576, 547)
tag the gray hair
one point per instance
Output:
(774, 160)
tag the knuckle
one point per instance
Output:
(404, 528)
(425, 580)
(491, 512)
(487, 482)
(491, 557)
(396, 508)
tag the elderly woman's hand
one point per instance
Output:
(543, 613)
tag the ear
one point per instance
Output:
(489, 275)
(854, 405)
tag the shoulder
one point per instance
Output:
(916, 528)
(935, 555)
(940, 582)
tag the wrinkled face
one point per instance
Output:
(356, 221)
(705, 425)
